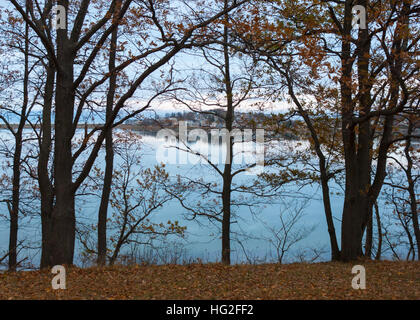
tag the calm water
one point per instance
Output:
(203, 239)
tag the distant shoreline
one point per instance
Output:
(135, 127)
(153, 129)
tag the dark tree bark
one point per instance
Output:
(109, 154)
(59, 222)
(63, 220)
(17, 158)
(324, 175)
(360, 192)
(379, 227)
(351, 233)
(227, 173)
(58, 203)
(44, 181)
(411, 187)
(369, 238)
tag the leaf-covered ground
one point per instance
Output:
(384, 280)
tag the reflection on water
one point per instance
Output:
(249, 230)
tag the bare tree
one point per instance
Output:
(109, 149)
(290, 231)
(368, 75)
(74, 51)
(17, 103)
(402, 191)
(215, 95)
(136, 196)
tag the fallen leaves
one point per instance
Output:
(385, 280)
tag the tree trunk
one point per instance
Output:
(351, 233)
(60, 248)
(45, 186)
(14, 209)
(411, 188)
(226, 198)
(369, 238)
(227, 174)
(109, 157)
(335, 251)
(379, 227)
(415, 217)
